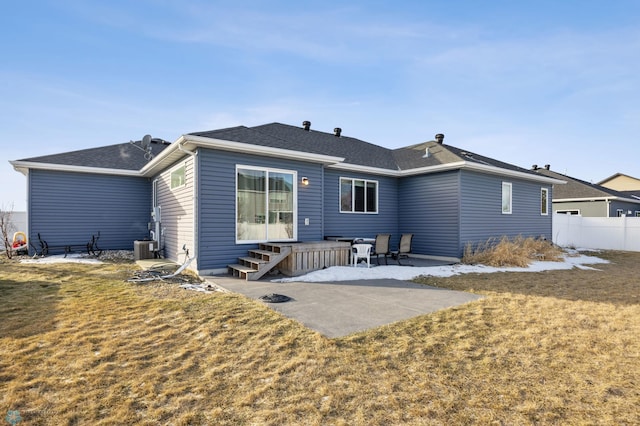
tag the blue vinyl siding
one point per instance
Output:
(429, 208)
(481, 209)
(625, 206)
(69, 207)
(361, 224)
(216, 204)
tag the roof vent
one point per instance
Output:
(547, 166)
(534, 167)
(337, 131)
(439, 138)
(306, 125)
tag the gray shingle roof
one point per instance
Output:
(416, 156)
(577, 188)
(122, 156)
(354, 151)
(126, 156)
(276, 135)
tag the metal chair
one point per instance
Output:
(382, 247)
(361, 251)
(404, 248)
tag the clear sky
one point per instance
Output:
(526, 82)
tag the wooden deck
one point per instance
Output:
(307, 257)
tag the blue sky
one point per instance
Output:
(526, 82)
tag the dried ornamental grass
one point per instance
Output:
(518, 252)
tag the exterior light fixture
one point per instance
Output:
(305, 180)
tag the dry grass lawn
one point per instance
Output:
(78, 345)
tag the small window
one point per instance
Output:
(506, 197)
(358, 196)
(544, 204)
(637, 213)
(177, 177)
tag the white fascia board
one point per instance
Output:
(159, 160)
(512, 173)
(364, 169)
(587, 199)
(399, 173)
(482, 168)
(23, 166)
(258, 149)
(432, 169)
(571, 200)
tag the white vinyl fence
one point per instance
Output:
(606, 233)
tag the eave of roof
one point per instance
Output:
(24, 166)
(267, 140)
(587, 199)
(189, 143)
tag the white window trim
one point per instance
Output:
(184, 181)
(295, 202)
(546, 207)
(352, 179)
(510, 186)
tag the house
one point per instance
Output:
(588, 199)
(626, 184)
(223, 192)
(621, 182)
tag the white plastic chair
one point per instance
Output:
(361, 251)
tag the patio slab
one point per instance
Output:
(337, 309)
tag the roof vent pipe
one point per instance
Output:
(337, 131)
(439, 138)
(534, 167)
(306, 125)
(547, 166)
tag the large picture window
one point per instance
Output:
(358, 196)
(506, 197)
(265, 205)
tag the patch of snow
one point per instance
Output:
(59, 258)
(348, 273)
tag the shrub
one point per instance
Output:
(519, 251)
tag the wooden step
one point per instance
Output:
(241, 271)
(252, 262)
(262, 254)
(258, 263)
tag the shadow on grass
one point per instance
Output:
(616, 282)
(27, 308)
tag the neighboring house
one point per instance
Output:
(588, 199)
(626, 184)
(621, 182)
(222, 192)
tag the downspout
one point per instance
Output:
(322, 202)
(193, 154)
(196, 204)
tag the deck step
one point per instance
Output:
(241, 271)
(258, 263)
(248, 261)
(262, 254)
